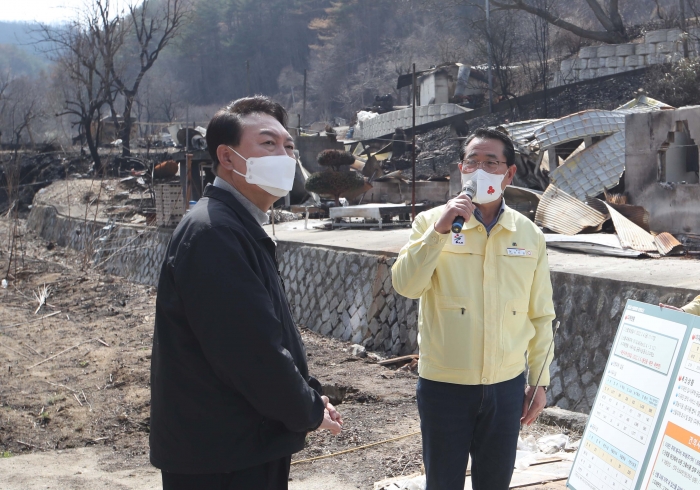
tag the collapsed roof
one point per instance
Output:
(569, 206)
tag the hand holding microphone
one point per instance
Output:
(469, 190)
(458, 210)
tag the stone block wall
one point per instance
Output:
(590, 309)
(133, 252)
(385, 124)
(663, 46)
(348, 295)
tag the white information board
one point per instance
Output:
(675, 458)
(649, 383)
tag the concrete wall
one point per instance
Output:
(385, 124)
(663, 46)
(673, 207)
(427, 91)
(348, 294)
(434, 88)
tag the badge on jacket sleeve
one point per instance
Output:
(458, 239)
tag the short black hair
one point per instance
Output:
(489, 134)
(225, 127)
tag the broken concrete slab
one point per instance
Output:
(564, 418)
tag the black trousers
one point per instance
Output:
(459, 421)
(268, 476)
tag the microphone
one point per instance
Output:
(469, 190)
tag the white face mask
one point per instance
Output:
(274, 174)
(488, 186)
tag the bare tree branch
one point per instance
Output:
(615, 16)
(600, 15)
(609, 36)
(153, 33)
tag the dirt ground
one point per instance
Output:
(74, 386)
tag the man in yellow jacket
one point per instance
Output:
(693, 307)
(485, 306)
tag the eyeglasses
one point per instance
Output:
(490, 166)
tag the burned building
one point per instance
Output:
(661, 159)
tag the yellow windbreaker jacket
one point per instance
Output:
(483, 303)
(693, 307)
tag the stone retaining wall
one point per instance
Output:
(590, 309)
(663, 46)
(133, 252)
(348, 295)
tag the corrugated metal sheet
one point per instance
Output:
(580, 125)
(594, 243)
(564, 214)
(630, 235)
(667, 243)
(524, 131)
(643, 104)
(636, 214)
(523, 200)
(593, 170)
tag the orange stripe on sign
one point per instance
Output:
(683, 436)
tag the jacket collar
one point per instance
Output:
(506, 220)
(243, 214)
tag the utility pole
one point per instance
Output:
(247, 71)
(303, 109)
(681, 5)
(185, 182)
(413, 151)
(488, 40)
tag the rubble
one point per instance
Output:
(565, 419)
(630, 235)
(357, 350)
(594, 169)
(282, 216)
(538, 460)
(585, 153)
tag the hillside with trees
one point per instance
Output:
(350, 51)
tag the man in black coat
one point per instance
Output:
(231, 397)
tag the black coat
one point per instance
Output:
(230, 386)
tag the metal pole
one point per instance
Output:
(488, 43)
(303, 110)
(682, 26)
(186, 188)
(188, 180)
(187, 129)
(272, 217)
(413, 155)
(247, 70)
